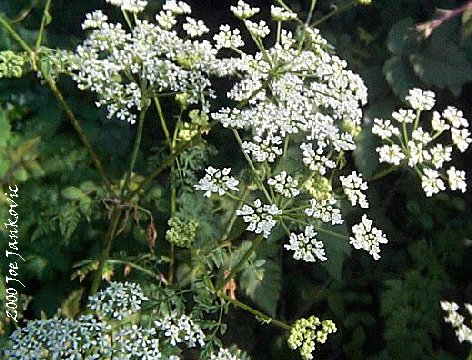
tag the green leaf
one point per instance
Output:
(400, 76)
(72, 193)
(466, 24)
(263, 285)
(401, 39)
(365, 155)
(337, 249)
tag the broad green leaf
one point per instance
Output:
(400, 76)
(337, 249)
(401, 39)
(72, 193)
(365, 155)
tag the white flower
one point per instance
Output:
(217, 181)
(463, 332)
(228, 38)
(177, 8)
(264, 149)
(325, 211)
(280, 14)
(181, 329)
(456, 179)
(404, 116)
(384, 129)
(419, 135)
(449, 306)
(135, 6)
(94, 20)
(315, 160)
(461, 138)
(306, 247)
(440, 154)
(259, 29)
(243, 10)
(431, 182)
(223, 354)
(455, 117)
(284, 184)
(260, 217)
(438, 124)
(391, 154)
(194, 28)
(353, 187)
(417, 154)
(166, 19)
(367, 237)
(421, 100)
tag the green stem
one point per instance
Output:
(310, 12)
(4, 22)
(255, 244)
(137, 267)
(44, 21)
(137, 143)
(162, 119)
(383, 173)
(78, 128)
(233, 218)
(337, 10)
(97, 279)
(255, 312)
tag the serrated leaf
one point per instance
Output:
(400, 76)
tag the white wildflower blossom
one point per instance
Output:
(439, 124)
(267, 149)
(94, 20)
(228, 38)
(391, 154)
(404, 116)
(367, 238)
(194, 27)
(284, 184)
(259, 29)
(417, 153)
(325, 210)
(353, 186)
(421, 99)
(134, 6)
(419, 135)
(177, 7)
(243, 10)
(260, 217)
(166, 19)
(217, 181)
(305, 246)
(315, 160)
(384, 129)
(431, 182)
(117, 301)
(455, 117)
(280, 14)
(181, 329)
(463, 332)
(461, 138)
(223, 354)
(440, 155)
(456, 179)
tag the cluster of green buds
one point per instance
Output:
(306, 333)
(11, 64)
(181, 233)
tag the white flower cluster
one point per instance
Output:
(280, 14)
(217, 181)
(260, 217)
(284, 184)
(125, 69)
(325, 211)
(223, 354)
(181, 330)
(463, 332)
(306, 247)
(353, 186)
(368, 238)
(243, 10)
(118, 300)
(406, 141)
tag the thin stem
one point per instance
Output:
(162, 119)
(334, 12)
(233, 218)
(115, 218)
(78, 128)
(255, 244)
(310, 12)
(137, 267)
(255, 312)
(4, 22)
(44, 22)
(382, 173)
(137, 143)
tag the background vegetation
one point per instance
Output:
(384, 310)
